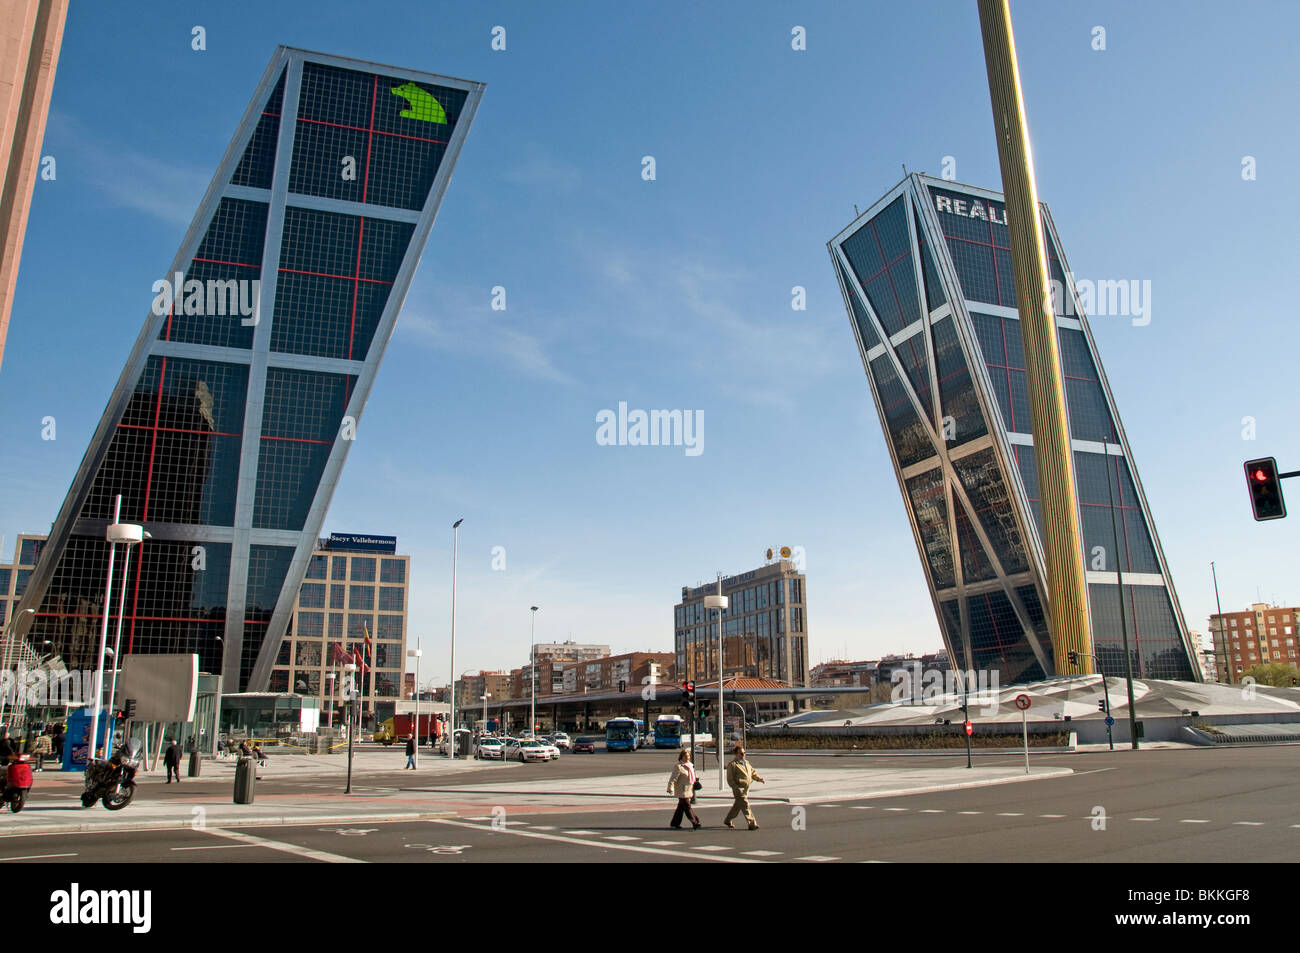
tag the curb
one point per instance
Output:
(188, 823)
(935, 788)
(904, 753)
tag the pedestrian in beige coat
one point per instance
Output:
(681, 785)
(740, 776)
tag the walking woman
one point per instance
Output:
(681, 785)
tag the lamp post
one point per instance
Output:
(351, 692)
(416, 652)
(117, 640)
(483, 698)
(9, 637)
(719, 602)
(532, 671)
(329, 693)
(127, 534)
(451, 717)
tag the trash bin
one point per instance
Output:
(196, 763)
(245, 780)
(463, 743)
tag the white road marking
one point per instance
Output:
(1010, 814)
(620, 837)
(864, 807)
(215, 847)
(714, 847)
(828, 805)
(1192, 820)
(663, 843)
(898, 809)
(36, 856)
(1144, 818)
(1249, 823)
(638, 848)
(255, 841)
(542, 827)
(1051, 815)
(817, 858)
(761, 853)
(592, 833)
(970, 812)
(932, 810)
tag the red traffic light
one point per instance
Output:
(1265, 486)
(970, 729)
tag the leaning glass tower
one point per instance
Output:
(926, 277)
(228, 428)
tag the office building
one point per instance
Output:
(765, 627)
(31, 33)
(229, 426)
(355, 585)
(927, 282)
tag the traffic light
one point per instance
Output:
(704, 709)
(1101, 704)
(622, 685)
(1073, 656)
(1265, 489)
(688, 695)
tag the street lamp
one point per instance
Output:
(451, 717)
(351, 692)
(416, 652)
(719, 602)
(329, 693)
(128, 534)
(532, 670)
(483, 698)
(117, 639)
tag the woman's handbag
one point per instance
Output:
(697, 785)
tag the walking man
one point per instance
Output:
(172, 759)
(410, 752)
(740, 775)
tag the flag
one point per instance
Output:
(339, 656)
(364, 657)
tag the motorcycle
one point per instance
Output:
(18, 781)
(112, 781)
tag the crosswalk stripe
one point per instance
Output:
(761, 853)
(816, 858)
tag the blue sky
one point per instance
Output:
(676, 293)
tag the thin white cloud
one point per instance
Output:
(477, 336)
(126, 178)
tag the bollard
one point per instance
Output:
(196, 764)
(245, 780)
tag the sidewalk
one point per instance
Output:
(55, 805)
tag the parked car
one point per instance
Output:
(584, 746)
(551, 749)
(560, 740)
(489, 749)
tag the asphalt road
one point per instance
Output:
(1158, 805)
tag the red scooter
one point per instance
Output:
(18, 781)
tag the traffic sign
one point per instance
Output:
(970, 729)
(1109, 721)
(1022, 702)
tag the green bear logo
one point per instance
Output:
(420, 104)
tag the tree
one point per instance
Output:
(1277, 674)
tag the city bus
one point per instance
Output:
(622, 734)
(668, 731)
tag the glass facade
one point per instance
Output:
(229, 426)
(963, 444)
